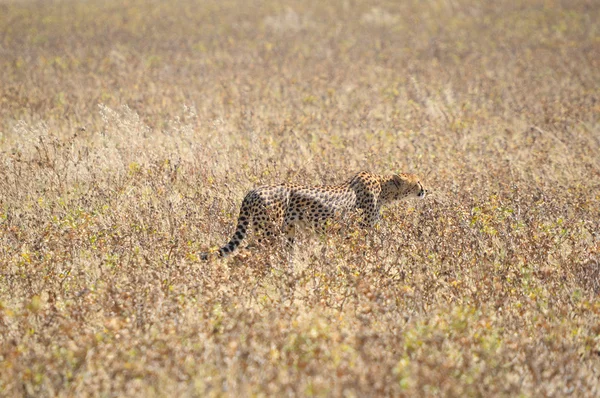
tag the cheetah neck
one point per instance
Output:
(391, 189)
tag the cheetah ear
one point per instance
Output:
(397, 180)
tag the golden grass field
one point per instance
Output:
(130, 131)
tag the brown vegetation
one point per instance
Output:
(130, 131)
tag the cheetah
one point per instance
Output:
(280, 209)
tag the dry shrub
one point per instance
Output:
(131, 131)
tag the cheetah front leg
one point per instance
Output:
(371, 214)
(289, 230)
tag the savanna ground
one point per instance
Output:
(131, 130)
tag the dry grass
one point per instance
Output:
(130, 131)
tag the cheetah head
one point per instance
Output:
(408, 186)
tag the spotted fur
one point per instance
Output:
(276, 209)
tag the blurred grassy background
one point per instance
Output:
(130, 131)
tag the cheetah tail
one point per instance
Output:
(241, 229)
(238, 236)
